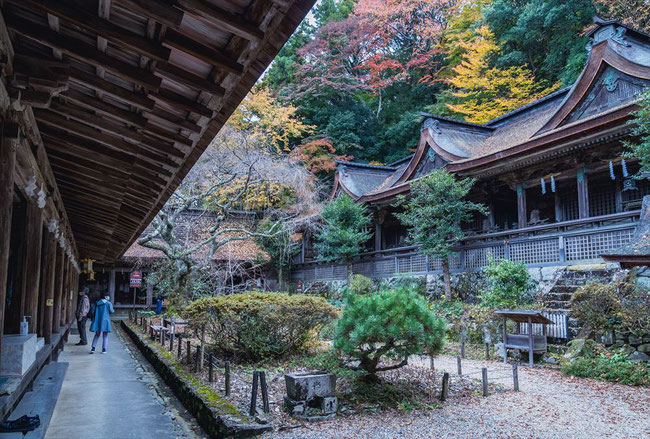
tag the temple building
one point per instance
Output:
(105, 106)
(552, 174)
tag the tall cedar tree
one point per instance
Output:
(434, 211)
(344, 230)
(482, 92)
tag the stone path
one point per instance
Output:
(111, 396)
(549, 405)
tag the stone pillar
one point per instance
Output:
(111, 285)
(32, 262)
(7, 165)
(583, 193)
(521, 206)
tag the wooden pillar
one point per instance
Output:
(521, 206)
(378, 231)
(559, 215)
(583, 193)
(32, 262)
(7, 164)
(71, 292)
(149, 294)
(619, 196)
(491, 216)
(49, 287)
(64, 291)
(58, 289)
(111, 285)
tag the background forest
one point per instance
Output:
(352, 81)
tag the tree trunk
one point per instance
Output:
(446, 275)
(280, 279)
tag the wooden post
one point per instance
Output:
(48, 312)
(559, 214)
(7, 165)
(485, 381)
(487, 351)
(202, 347)
(378, 237)
(530, 342)
(458, 363)
(180, 348)
(515, 377)
(505, 337)
(197, 360)
(265, 392)
(227, 377)
(210, 369)
(58, 289)
(189, 352)
(445, 387)
(521, 206)
(583, 193)
(64, 291)
(462, 346)
(32, 262)
(431, 365)
(254, 395)
(171, 342)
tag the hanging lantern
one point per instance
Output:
(629, 184)
(611, 171)
(624, 168)
(552, 184)
(543, 184)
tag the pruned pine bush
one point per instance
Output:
(259, 325)
(387, 325)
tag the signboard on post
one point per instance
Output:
(135, 280)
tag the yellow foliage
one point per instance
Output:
(269, 122)
(483, 92)
(258, 196)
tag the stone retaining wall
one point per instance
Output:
(220, 419)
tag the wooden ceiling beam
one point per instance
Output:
(223, 19)
(166, 134)
(176, 100)
(204, 53)
(87, 132)
(175, 120)
(83, 52)
(177, 74)
(102, 27)
(104, 108)
(128, 96)
(160, 10)
(105, 125)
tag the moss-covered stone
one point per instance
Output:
(216, 415)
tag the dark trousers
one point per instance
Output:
(81, 327)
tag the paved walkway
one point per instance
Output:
(110, 396)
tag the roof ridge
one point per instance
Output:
(529, 105)
(365, 165)
(452, 120)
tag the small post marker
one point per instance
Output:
(227, 376)
(210, 368)
(265, 392)
(445, 387)
(171, 342)
(197, 360)
(460, 368)
(189, 353)
(462, 348)
(254, 394)
(515, 377)
(180, 347)
(485, 381)
(487, 351)
(431, 365)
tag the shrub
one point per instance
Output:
(614, 368)
(597, 307)
(508, 284)
(257, 325)
(387, 324)
(360, 284)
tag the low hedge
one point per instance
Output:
(614, 368)
(256, 326)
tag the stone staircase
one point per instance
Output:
(559, 296)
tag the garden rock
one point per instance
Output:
(307, 391)
(638, 356)
(626, 350)
(645, 348)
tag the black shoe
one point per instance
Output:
(81, 344)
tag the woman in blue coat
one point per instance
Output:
(102, 322)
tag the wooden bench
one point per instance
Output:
(156, 330)
(525, 342)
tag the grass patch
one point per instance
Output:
(614, 368)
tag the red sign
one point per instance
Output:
(135, 280)
(299, 287)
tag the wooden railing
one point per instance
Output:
(563, 243)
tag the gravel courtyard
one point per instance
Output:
(549, 405)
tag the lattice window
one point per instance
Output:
(643, 189)
(324, 272)
(478, 257)
(602, 201)
(310, 273)
(587, 247)
(537, 252)
(434, 264)
(364, 268)
(340, 272)
(385, 267)
(569, 203)
(404, 264)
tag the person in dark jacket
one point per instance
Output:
(83, 308)
(102, 323)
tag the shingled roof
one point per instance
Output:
(616, 72)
